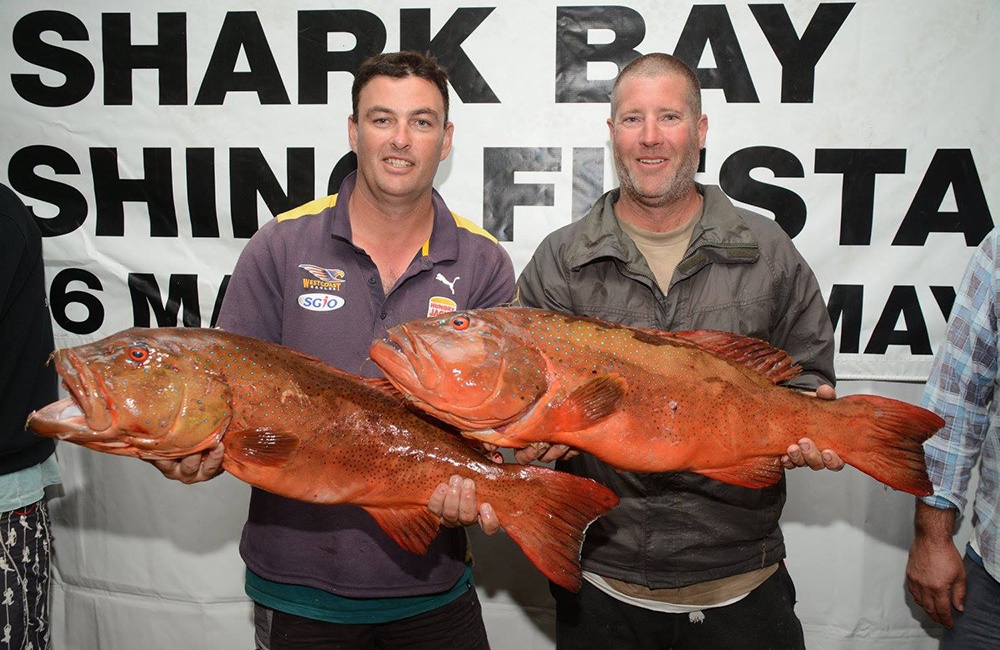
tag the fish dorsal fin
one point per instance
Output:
(594, 400)
(770, 362)
(412, 528)
(261, 446)
(757, 472)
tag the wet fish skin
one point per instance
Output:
(299, 428)
(643, 400)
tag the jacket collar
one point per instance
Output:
(720, 236)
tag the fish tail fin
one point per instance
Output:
(549, 527)
(890, 445)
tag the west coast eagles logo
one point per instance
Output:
(327, 279)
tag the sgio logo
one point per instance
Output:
(320, 302)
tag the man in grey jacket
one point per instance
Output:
(685, 561)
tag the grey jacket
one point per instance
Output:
(741, 273)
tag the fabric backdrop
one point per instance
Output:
(151, 140)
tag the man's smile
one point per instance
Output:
(398, 162)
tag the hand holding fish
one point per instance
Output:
(456, 504)
(544, 452)
(805, 453)
(194, 468)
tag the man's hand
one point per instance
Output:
(544, 452)
(805, 453)
(935, 574)
(194, 468)
(455, 504)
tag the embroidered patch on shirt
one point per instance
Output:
(325, 279)
(440, 305)
(320, 302)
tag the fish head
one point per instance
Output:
(147, 393)
(465, 368)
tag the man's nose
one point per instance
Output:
(650, 134)
(401, 137)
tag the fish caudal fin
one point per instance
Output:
(550, 524)
(887, 442)
(412, 528)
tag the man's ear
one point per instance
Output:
(352, 133)
(449, 131)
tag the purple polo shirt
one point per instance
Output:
(302, 283)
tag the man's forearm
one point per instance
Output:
(934, 523)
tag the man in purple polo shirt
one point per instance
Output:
(328, 278)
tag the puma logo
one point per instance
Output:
(450, 285)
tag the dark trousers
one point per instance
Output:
(25, 552)
(978, 627)
(455, 626)
(763, 620)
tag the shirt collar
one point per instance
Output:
(442, 245)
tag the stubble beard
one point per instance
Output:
(672, 190)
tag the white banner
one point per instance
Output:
(152, 142)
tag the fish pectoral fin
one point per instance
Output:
(759, 472)
(382, 384)
(412, 528)
(595, 400)
(261, 446)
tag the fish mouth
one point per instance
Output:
(407, 361)
(65, 420)
(84, 414)
(411, 365)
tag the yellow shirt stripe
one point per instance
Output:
(465, 224)
(318, 205)
(313, 207)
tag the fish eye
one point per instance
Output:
(460, 323)
(138, 354)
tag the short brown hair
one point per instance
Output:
(399, 65)
(657, 64)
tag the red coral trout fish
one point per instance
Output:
(299, 428)
(643, 400)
